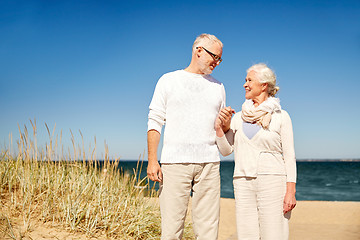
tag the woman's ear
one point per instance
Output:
(264, 87)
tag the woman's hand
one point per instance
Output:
(289, 199)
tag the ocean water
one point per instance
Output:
(321, 181)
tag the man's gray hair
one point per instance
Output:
(206, 39)
(265, 75)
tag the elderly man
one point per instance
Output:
(188, 101)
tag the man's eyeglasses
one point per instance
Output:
(214, 56)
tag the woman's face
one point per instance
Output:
(253, 88)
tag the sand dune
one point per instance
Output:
(310, 220)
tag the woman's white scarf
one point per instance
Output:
(261, 114)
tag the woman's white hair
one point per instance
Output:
(265, 75)
(206, 39)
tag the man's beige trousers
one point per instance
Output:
(178, 180)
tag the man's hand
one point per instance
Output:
(225, 117)
(218, 127)
(218, 123)
(154, 171)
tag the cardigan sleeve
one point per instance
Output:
(287, 141)
(224, 147)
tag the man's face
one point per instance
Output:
(207, 62)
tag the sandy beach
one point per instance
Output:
(310, 220)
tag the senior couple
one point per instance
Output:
(198, 125)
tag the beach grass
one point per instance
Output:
(73, 192)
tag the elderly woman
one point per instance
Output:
(261, 137)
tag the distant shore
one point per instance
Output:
(329, 160)
(298, 160)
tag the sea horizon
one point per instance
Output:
(317, 180)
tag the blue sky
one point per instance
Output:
(93, 65)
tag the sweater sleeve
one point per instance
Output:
(287, 140)
(157, 113)
(223, 104)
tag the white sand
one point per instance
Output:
(310, 220)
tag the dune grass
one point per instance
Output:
(74, 193)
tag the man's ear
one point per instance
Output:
(198, 50)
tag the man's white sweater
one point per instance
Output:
(188, 103)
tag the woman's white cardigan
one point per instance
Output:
(270, 151)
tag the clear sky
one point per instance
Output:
(93, 65)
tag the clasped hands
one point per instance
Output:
(223, 120)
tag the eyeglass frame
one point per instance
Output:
(213, 55)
